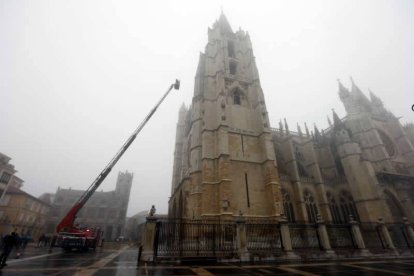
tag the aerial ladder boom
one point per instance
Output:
(67, 222)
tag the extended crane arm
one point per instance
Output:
(69, 219)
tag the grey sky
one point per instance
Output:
(76, 77)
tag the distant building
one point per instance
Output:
(106, 210)
(47, 197)
(134, 226)
(7, 173)
(19, 211)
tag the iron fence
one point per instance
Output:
(217, 238)
(340, 236)
(189, 238)
(263, 236)
(400, 236)
(372, 235)
(304, 236)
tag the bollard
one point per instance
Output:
(149, 239)
(389, 244)
(286, 239)
(241, 238)
(357, 237)
(323, 235)
(139, 255)
(410, 232)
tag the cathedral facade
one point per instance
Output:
(228, 160)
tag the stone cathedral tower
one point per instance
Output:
(224, 160)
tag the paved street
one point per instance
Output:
(122, 261)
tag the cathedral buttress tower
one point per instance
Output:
(227, 162)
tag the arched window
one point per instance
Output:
(348, 207)
(174, 210)
(333, 206)
(233, 68)
(388, 144)
(300, 159)
(299, 156)
(281, 166)
(230, 48)
(310, 204)
(302, 171)
(288, 206)
(395, 207)
(237, 97)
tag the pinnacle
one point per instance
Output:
(343, 91)
(224, 24)
(337, 121)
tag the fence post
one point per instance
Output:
(323, 235)
(285, 237)
(388, 243)
(357, 236)
(242, 238)
(409, 231)
(148, 239)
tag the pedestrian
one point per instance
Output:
(47, 240)
(9, 241)
(42, 239)
(18, 245)
(25, 240)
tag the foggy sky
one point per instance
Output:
(77, 77)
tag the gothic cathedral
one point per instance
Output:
(229, 161)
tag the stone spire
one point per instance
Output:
(337, 121)
(281, 127)
(329, 120)
(182, 113)
(183, 108)
(317, 133)
(224, 24)
(286, 126)
(338, 124)
(307, 130)
(374, 99)
(358, 95)
(341, 133)
(299, 130)
(343, 91)
(354, 87)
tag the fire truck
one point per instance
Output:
(70, 236)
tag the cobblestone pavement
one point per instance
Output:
(38, 261)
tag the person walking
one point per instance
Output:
(9, 241)
(42, 241)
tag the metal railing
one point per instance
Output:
(400, 236)
(218, 238)
(195, 238)
(340, 236)
(372, 236)
(263, 236)
(304, 236)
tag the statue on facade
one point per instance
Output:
(152, 211)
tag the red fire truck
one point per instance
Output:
(69, 236)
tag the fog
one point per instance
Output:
(77, 77)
